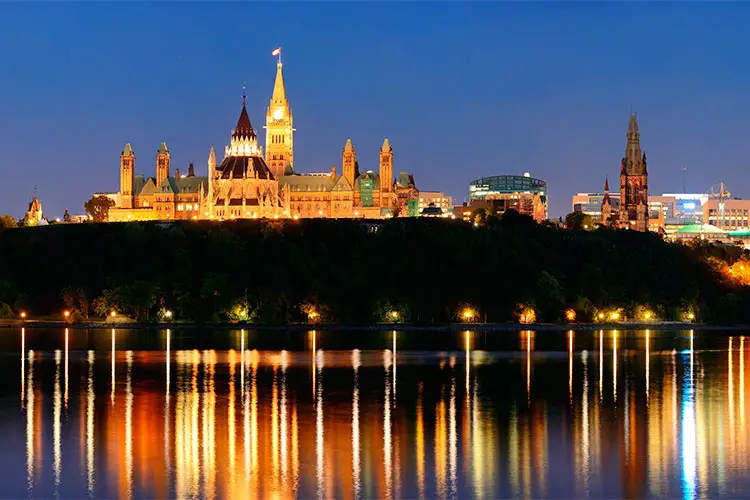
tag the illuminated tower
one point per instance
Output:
(127, 164)
(349, 162)
(279, 130)
(162, 163)
(634, 182)
(211, 174)
(386, 167)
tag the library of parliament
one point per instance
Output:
(256, 182)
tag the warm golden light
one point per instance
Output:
(528, 316)
(394, 315)
(313, 315)
(23, 315)
(570, 315)
(113, 314)
(468, 314)
(168, 314)
(66, 313)
(614, 315)
(601, 315)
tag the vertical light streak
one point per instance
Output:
(283, 427)
(387, 449)
(209, 424)
(648, 363)
(254, 415)
(601, 363)
(614, 365)
(356, 469)
(730, 376)
(319, 430)
(56, 410)
(231, 422)
(167, 406)
(275, 429)
(528, 368)
(67, 334)
(570, 366)
(242, 357)
(23, 366)
(194, 433)
(420, 443)
(394, 368)
(314, 361)
(295, 451)
(112, 394)
(90, 441)
(129, 425)
(688, 433)
(586, 426)
(742, 385)
(30, 407)
(468, 360)
(452, 441)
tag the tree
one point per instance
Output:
(397, 206)
(98, 208)
(6, 222)
(579, 221)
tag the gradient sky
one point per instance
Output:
(462, 90)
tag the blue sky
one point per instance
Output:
(461, 90)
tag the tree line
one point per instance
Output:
(416, 270)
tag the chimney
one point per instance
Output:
(333, 172)
(177, 173)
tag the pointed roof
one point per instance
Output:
(279, 91)
(633, 125)
(244, 127)
(348, 146)
(386, 145)
(127, 151)
(163, 149)
(212, 153)
(606, 184)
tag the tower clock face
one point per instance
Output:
(278, 114)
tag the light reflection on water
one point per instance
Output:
(526, 418)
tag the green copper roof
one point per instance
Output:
(163, 148)
(701, 228)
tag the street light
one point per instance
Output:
(66, 314)
(113, 314)
(168, 314)
(23, 315)
(394, 315)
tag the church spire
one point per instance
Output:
(244, 128)
(606, 185)
(279, 90)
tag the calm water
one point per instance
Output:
(230, 414)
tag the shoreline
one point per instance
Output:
(487, 327)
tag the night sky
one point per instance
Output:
(461, 90)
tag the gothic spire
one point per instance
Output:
(606, 184)
(386, 145)
(244, 128)
(279, 91)
(633, 125)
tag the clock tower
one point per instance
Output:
(279, 129)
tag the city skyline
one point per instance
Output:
(509, 88)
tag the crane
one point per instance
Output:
(719, 192)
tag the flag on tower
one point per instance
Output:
(276, 52)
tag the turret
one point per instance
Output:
(606, 208)
(127, 165)
(162, 163)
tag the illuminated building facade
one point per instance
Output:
(253, 183)
(522, 193)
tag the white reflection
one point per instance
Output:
(742, 384)
(30, 403)
(586, 426)
(356, 469)
(90, 441)
(730, 376)
(688, 432)
(129, 425)
(468, 360)
(231, 430)
(56, 409)
(394, 368)
(528, 368)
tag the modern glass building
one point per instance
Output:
(480, 189)
(522, 193)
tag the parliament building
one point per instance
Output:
(256, 182)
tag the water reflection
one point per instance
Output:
(215, 423)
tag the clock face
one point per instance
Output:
(278, 114)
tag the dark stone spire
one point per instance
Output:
(244, 127)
